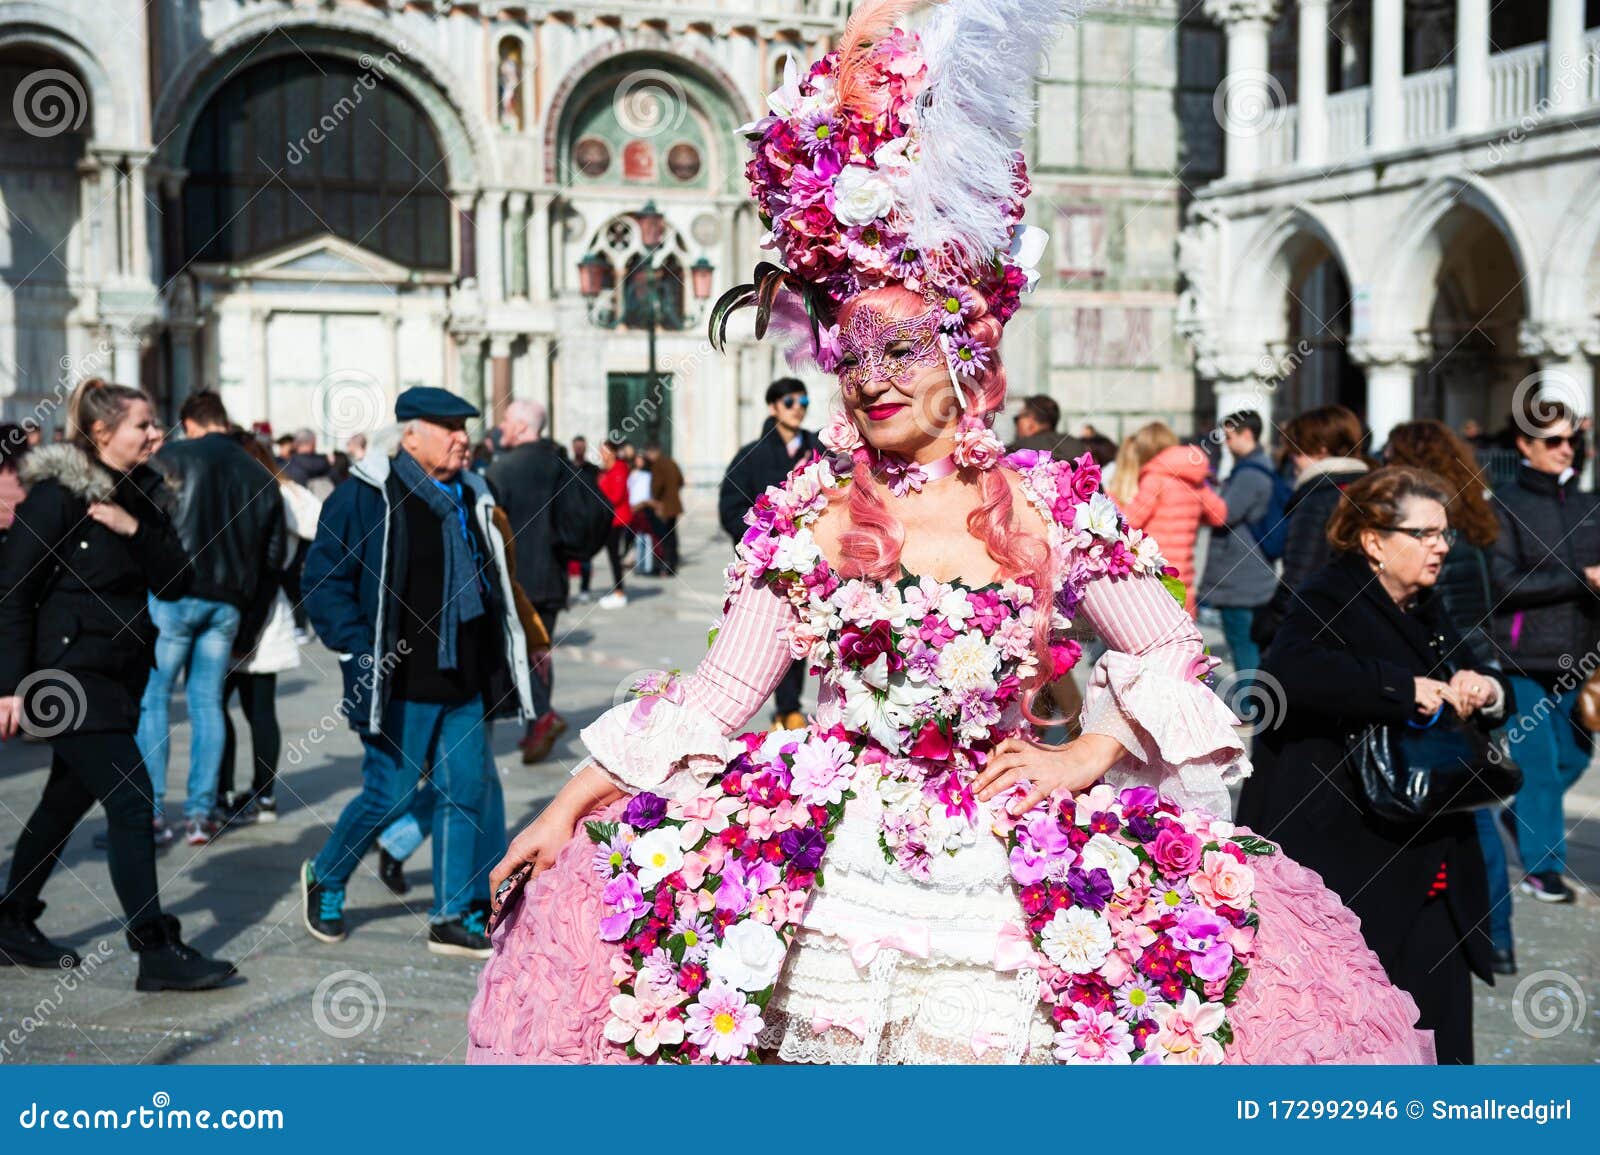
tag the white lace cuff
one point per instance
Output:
(658, 744)
(1179, 733)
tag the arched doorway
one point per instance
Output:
(317, 230)
(1473, 364)
(48, 251)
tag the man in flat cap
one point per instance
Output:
(407, 581)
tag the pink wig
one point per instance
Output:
(871, 547)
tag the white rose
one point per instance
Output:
(861, 195)
(1106, 853)
(656, 854)
(1076, 940)
(749, 956)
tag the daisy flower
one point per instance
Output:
(723, 1023)
(969, 355)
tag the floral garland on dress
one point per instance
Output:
(1140, 913)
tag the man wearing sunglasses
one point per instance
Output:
(1546, 577)
(767, 460)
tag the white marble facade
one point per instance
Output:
(1418, 244)
(123, 115)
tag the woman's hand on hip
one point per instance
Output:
(1070, 767)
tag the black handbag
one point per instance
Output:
(1409, 774)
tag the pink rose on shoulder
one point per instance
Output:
(1224, 881)
(977, 447)
(1085, 479)
(841, 435)
(1177, 852)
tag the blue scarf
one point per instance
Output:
(462, 597)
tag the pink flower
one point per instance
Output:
(976, 445)
(842, 435)
(932, 743)
(644, 1022)
(1094, 1037)
(1177, 852)
(1224, 881)
(701, 814)
(723, 1023)
(1084, 480)
(1186, 1027)
(821, 771)
(624, 902)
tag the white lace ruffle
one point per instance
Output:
(1170, 723)
(659, 745)
(889, 969)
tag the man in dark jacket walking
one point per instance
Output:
(1238, 577)
(1545, 570)
(229, 514)
(1036, 424)
(767, 461)
(408, 583)
(527, 474)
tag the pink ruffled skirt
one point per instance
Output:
(1316, 993)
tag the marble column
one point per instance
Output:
(491, 246)
(499, 376)
(1391, 368)
(1567, 65)
(1388, 68)
(1472, 65)
(1313, 83)
(517, 238)
(540, 275)
(1247, 23)
(469, 346)
(466, 240)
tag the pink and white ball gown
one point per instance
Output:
(918, 960)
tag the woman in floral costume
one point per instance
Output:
(917, 876)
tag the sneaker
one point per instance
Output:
(583, 597)
(167, 963)
(613, 601)
(200, 831)
(163, 834)
(1548, 886)
(22, 944)
(266, 808)
(1503, 962)
(542, 737)
(241, 813)
(461, 936)
(392, 872)
(321, 907)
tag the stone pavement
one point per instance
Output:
(379, 997)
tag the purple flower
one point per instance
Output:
(645, 811)
(624, 902)
(1091, 890)
(1200, 933)
(1138, 799)
(803, 848)
(1142, 828)
(969, 355)
(819, 131)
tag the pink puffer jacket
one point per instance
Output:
(1172, 501)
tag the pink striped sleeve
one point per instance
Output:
(1145, 692)
(674, 741)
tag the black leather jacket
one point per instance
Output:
(229, 513)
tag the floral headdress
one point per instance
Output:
(896, 160)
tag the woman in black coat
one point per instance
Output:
(1367, 641)
(91, 543)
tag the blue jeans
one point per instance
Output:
(404, 837)
(452, 739)
(1246, 655)
(196, 641)
(1553, 751)
(1494, 863)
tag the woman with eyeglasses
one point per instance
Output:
(1464, 588)
(1545, 572)
(1368, 640)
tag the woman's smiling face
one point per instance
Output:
(895, 379)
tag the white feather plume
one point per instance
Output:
(982, 57)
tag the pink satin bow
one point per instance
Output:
(863, 949)
(1013, 949)
(856, 1025)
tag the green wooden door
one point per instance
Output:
(636, 413)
